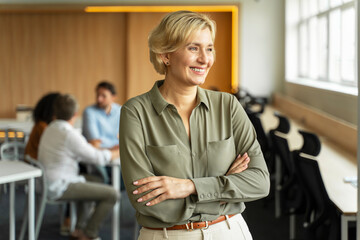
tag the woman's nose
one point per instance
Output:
(203, 56)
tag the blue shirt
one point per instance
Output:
(99, 125)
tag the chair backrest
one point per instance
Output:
(283, 152)
(260, 132)
(284, 124)
(311, 145)
(311, 178)
(12, 150)
(41, 183)
(309, 172)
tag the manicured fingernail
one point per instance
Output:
(245, 154)
(135, 192)
(148, 204)
(139, 200)
(135, 183)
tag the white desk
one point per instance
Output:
(10, 172)
(334, 164)
(115, 178)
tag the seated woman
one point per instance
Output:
(42, 116)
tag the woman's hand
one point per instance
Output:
(240, 164)
(162, 188)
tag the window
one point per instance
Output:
(320, 43)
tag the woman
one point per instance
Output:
(186, 151)
(42, 116)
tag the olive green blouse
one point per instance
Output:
(154, 142)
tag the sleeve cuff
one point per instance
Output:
(207, 189)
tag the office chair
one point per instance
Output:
(12, 150)
(41, 190)
(290, 198)
(264, 141)
(322, 219)
(250, 102)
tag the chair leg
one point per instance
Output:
(292, 226)
(24, 222)
(40, 216)
(136, 230)
(72, 216)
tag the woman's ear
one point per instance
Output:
(165, 57)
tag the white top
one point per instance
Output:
(61, 148)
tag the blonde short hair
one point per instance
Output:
(172, 32)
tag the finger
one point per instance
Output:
(147, 187)
(238, 161)
(240, 167)
(146, 180)
(151, 195)
(157, 200)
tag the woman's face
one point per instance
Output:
(190, 64)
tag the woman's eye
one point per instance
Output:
(210, 49)
(193, 48)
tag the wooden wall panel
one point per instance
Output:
(66, 52)
(71, 52)
(141, 74)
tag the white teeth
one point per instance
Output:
(198, 69)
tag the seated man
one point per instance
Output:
(101, 121)
(61, 148)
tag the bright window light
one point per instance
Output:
(320, 43)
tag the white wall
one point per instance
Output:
(262, 46)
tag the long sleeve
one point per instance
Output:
(89, 127)
(85, 152)
(135, 165)
(249, 185)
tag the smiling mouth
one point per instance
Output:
(199, 70)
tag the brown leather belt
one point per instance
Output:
(195, 225)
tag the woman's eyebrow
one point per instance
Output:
(199, 44)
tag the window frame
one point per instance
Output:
(293, 26)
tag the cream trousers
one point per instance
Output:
(234, 228)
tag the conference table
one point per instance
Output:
(335, 164)
(11, 172)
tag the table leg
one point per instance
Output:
(345, 219)
(12, 211)
(116, 209)
(31, 197)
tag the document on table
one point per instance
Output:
(352, 180)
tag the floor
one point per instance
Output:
(258, 214)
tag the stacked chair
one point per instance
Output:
(296, 181)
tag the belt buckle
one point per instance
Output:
(206, 226)
(191, 224)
